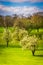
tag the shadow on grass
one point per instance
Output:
(2, 46)
(39, 49)
(38, 55)
(13, 46)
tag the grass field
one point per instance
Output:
(17, 56)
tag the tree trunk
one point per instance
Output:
(37, 29)
(33, 52)
(7, 42)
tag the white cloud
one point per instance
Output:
(25, 10)
(14, 0)
(22, 0)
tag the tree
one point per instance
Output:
(18, 33)
(29, 42)
(37, 21)
(7, 36)
(1, 21)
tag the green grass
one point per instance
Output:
(34, 31)
(17, 56)
(1, 29)
(14, 55)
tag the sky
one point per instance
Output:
(20, 7)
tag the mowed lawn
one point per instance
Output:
(17, 56)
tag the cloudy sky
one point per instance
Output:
(25, 7)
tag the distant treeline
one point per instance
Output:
(6, 21)
(35, 21)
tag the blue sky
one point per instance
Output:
(25, 7)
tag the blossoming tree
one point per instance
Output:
(30, 42)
